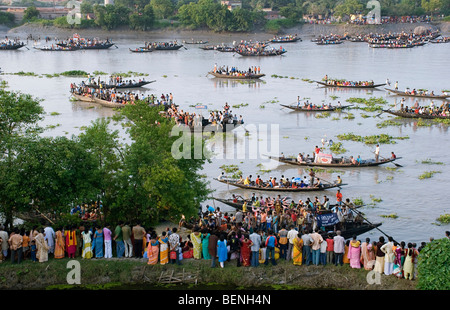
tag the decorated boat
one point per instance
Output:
(417, 94)
(239, 76)
(325, 108)
(279, 189)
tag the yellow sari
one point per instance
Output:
(59, 245)
(163, 251)
(297, 251)
(197, 242)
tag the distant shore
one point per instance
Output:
(305, 30)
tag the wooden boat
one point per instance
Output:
(83, 98)
(236, 77)
(414, 115)
(58, 49)
(141, 50)
(316, 109)
(262, 53)
(335, 162)
(167, 47)
(9, 47)
(108, 104)
(98, 46)
(121, 86)
(328, 42)
(350, 86)
(280, 189)
(195, 42)
(402, 93)
(285, 39)
(442, 40)
(353, 229)
(225, 49)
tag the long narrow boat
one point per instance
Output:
(280, 189)
(333, 42)
(350, 86)
(195, 42)
(14, 46)
(356, 230)
(58, 49)
(83, 98)
(262, 53)
(402, 93)
(285, 39)
(335, 162)
(315, 109)
(417, 116)
(121, 86)
(236, 77)
(141, 50)
(109, 104)
(167, 47)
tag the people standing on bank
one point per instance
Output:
(339, 248)
(98, 243)
(107, 236)
(128, 245)
(174, 246)
(118, 239)
(138, 233)
(388, 250)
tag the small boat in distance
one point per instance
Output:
(279, 189)
(348, 84)
(314, 108)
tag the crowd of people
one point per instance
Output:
(249, 238)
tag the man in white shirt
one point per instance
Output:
(339, 248)
(377, 152)
(255, 238)
(292, 234)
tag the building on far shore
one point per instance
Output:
(230, 4)
(44, 12)
(271, 14)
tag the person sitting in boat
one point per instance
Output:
(353, 160)
(339, 180)
(318, 183)
(393, 156)
(300, 158)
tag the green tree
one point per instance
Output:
(30, 13)
(153, 184)
(162, 8)
(144, 20)
(349, 7)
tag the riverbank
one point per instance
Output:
(305, 30)
(136, 274)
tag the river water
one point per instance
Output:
(417, 203)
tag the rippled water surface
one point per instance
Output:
(417, 203)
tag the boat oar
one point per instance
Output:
(398, 165)
(360, 214)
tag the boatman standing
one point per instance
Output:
(377, 152)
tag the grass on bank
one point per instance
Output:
(129, 273)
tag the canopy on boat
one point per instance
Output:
(324, 158)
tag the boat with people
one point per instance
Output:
(329, 42)
(141, 50)
(348, 84)
(309, 107)
(11, 45)
(83, 97)
(327, 160)
(422, 113)
(126, 84)
(195, 42)
(163, 46)
(58, 48)
(225, 72)
(286, 39)
(418, 94)
(264, 52)
(296, 186)
(86, 44)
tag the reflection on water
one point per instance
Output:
(218, 82)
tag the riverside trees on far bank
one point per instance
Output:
(135, 181)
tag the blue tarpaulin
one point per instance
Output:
(328, 219)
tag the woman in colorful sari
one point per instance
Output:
(87, 244)
(71, 242)
(354, 253)
(205, 244)
(367, 255)
(163, 249)
(222, 250)
(345, 259)
(398, 260)
(297, 250)
(98, 243)
(408, 267)
(41, 247)
(153, 250)
(196, 238)
(59, 244)
(246, 251)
